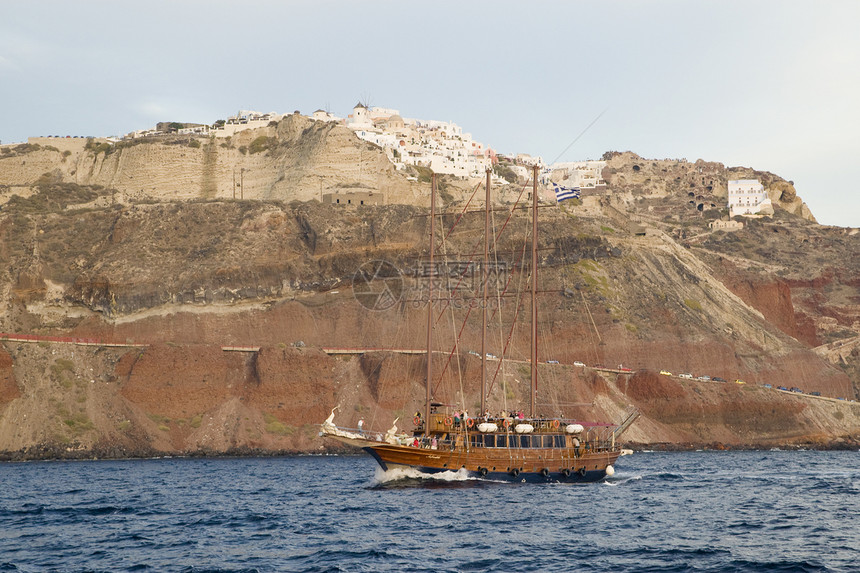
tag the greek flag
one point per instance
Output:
(562, 193)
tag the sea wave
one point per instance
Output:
(398, 474)
(682, 511)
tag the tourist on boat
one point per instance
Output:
(360, 424)
(456, 418)
(434, 444)
(415, 443)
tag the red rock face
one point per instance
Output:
(651, 386)
(182, 382)
(294, 385)
(772, 299)
(8, 385)
(187, 279)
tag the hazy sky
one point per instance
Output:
(773, 85)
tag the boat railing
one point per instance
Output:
(587, 442)
(445, 422)
(595, 439)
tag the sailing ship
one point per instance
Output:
(510, 446)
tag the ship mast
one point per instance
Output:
(534, 289)
(432, 275)
(485, 276)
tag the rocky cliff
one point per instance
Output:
(201, 326)
(294, 159)
(703, 185)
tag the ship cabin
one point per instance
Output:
(447, 431)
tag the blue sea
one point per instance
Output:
(693, 511)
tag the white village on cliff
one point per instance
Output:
(443, 147)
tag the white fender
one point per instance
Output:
(524, 428)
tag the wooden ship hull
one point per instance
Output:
(525, 465)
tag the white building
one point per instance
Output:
(245, 119)
(359, 118)
(381, 113)
(748, 197)
(440, 145)
(191, 130)
(582, 174)
(323, 115)
(143, 133)
(195, 130)
(521, 171)
(719, 225)
(528, 160)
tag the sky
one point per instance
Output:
(768, 84)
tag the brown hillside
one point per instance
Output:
(776, 302)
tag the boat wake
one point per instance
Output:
(409, 477)
(398, 474)
(620, 480)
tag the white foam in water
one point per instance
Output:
(383, 476)
(616, 481)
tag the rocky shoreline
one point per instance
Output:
(47, 452)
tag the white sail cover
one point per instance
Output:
(328, 427)
(487, 427)
(574, 429)
(391, 434)
(335, 431)
(524, 428)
